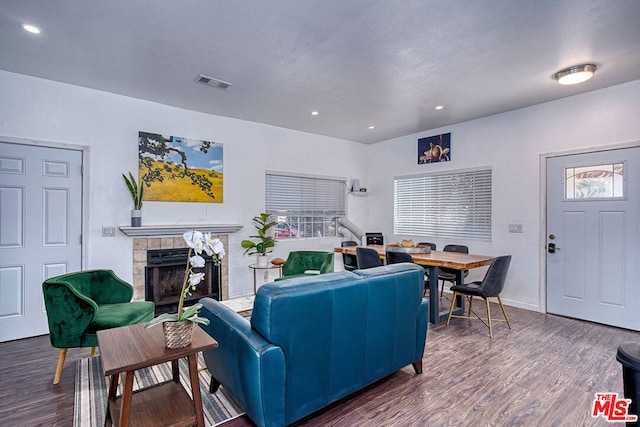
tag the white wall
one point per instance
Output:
(50, 112)
(512, 144)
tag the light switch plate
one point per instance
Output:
(515, 228)
(108, 231)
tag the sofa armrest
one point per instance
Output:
(251, 369)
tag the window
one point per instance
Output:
(595, 182)
(304, 206)
(453, 205)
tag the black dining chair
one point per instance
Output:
(350, 261)
(394, 257)
(367, 258)
(449, 274)
(490, 286)
(426, 269)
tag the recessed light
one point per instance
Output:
(371, 127)
(314, 113)
(438, 107)
(31, 28)
(575, 75)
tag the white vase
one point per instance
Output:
(262, 261)
(136, 218)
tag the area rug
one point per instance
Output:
(91, 392)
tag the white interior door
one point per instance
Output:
(40, 231)
(593, 237)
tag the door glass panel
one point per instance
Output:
(595, 182)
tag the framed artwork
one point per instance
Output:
(434, 149)
(177, 169)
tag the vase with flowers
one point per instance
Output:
(178, 327)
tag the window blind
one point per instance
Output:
(304, 195)
(455, 205)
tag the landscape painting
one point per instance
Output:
(177, 169)
(434, 149)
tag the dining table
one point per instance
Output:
(432, 261)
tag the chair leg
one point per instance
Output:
(470, 304)
(486, 300)
(453, 301)
(61, 357)
(93, 352)
(504, 312)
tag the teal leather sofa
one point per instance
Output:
(314, 340)
(300, 261)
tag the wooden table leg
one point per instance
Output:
(111, 395)
(127, 395)
(175, 371)
(195, 388)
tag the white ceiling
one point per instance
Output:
(358, 62)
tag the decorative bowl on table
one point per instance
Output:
(409, 250)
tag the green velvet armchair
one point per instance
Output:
(299, 262)
(80, 304)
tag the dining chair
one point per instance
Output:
(427, 279)
(490, 286)
(394, 257)
(350, 261)
(367, 258)
(449, 274)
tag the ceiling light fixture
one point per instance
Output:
(371, 127)
(31, 28)
(576, 74)
(314, 113)
(438, 107)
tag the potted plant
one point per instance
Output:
(137, 191)
(178, 327)
(265, 241)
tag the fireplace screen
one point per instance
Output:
(164, 275)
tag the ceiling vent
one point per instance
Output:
(210, 81)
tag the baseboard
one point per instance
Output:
(512, 303)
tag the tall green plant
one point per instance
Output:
(136, 190)
(265, 242)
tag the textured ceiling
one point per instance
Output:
(359, 63)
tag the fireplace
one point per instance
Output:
(164, 276)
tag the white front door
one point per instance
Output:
(593, 237)
(40, 231)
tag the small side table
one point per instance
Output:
(130, 348)
(256, 267)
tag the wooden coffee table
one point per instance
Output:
(130, 348)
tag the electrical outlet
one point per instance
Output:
(108, 231)
(515, 228)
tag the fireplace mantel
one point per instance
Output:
(178, 230)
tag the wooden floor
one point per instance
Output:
(543, 372)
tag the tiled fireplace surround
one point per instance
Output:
(149, 237)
